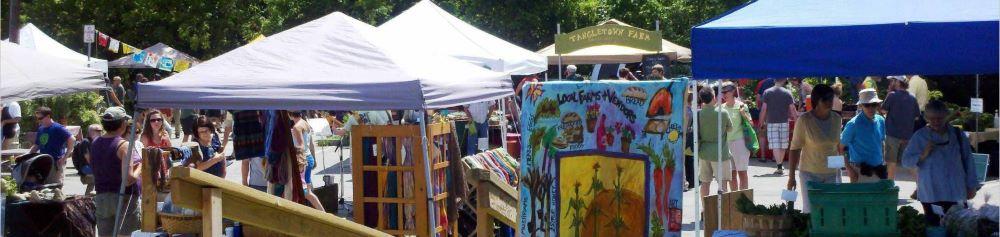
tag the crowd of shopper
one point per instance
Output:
(805, 123)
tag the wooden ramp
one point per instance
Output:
(218, 198)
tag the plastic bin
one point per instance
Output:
(854, 209)
(982, 162)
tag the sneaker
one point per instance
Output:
(779, 171)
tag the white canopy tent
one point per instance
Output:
(334, 62)
(428, 26)
(614, 53)
(27, 74)
(33, 38)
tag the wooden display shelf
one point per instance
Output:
(386, 158)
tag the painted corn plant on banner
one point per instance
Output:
(602, 158)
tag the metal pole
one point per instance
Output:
(718, 149)
(560, 70)
(427, 175)
(976, 126)
(697, 182)
(126, 169)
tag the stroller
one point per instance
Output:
(35, 171)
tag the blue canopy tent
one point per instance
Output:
(797, 38)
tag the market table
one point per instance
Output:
(975, 138)
(72, 217)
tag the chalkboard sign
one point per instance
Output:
(652, 59)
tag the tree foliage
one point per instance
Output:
(205, 29)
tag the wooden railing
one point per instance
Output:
(217, 198)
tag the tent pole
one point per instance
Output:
(976, 126)
(697, 182)
(126, 169)
(558, 30)
(427, 174)
(718, 148)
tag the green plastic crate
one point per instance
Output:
(864, 209)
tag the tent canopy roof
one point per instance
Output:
(795, 38)
(29, 36)
(614, 53)
(427, 25)
(28, 74)
(161, 49)
(334, 62)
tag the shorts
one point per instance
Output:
(893, 149)
(777, 135)
(105, 205)
(310, 165)
(706, 174)
(740, 153)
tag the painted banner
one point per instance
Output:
(602, 158)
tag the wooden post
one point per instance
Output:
(148, 195)
(484, 222)
(357, 175)
(211, 212)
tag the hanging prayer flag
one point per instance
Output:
(113, 46)
(166, 64)
(180, 65)
(102, 39)
(127, 48)
(151, 59)
(138, 56)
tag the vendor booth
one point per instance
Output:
(28, 74)
(789, 38)
(360, 70)
(29, 36)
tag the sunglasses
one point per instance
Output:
(872, 105)
(156, 120)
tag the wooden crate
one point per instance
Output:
(732, 219)
(385, 179)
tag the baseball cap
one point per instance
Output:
(114, 114)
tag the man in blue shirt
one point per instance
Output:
(52, 139)
(863, 137)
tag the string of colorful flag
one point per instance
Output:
(148, 58)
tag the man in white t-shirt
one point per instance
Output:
(11, 118)
(479, 115)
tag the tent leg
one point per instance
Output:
(427, 177)
(697, 183)
(126, 169)
(720, 142)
